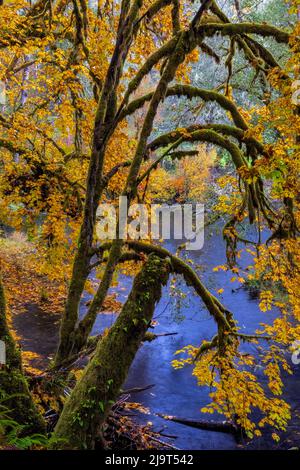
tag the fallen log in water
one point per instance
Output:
(218, 426)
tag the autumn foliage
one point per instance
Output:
(92, 90)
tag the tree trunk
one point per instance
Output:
(13, 385)
(71, 340)
(86, 410)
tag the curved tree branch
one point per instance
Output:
(191, 92)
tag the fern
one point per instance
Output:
(13, 434)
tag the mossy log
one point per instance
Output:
(13, 384)
(86, 410)
(216, 426)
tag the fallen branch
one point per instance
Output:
(218, 426)
(137, 389)
(151, 336)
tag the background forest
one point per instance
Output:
(138, 344)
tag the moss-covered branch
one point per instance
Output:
(244, 41)
(201, 135)
(152, 60)
(190, 134)
(178, 266)
(192, 92)
(231, 29)
(154, 9)
(111, 173)
(215, 308)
